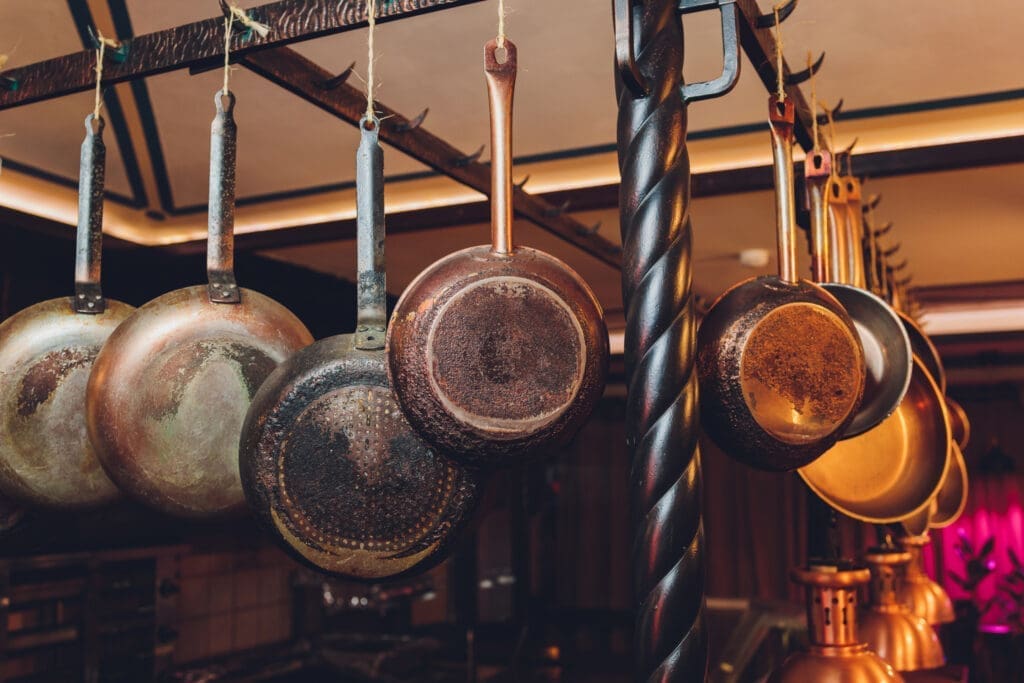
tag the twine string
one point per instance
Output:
(371, 18)
(501, 23)
(779, 62)
(814, 105)
(100, 54)
(238, 14)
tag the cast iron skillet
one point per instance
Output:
(328, 462)
(496, 352)
(170, 388)
(780, 364)
(46, 352)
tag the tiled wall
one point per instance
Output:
(232, 601)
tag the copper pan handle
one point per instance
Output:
(89, 238)
(837, 209)
(781, 117)
(371, 297)
(817, 176)
(501, 81)
(855, 232)
(220, 245)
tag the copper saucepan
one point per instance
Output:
(496, 352)
(46, 353)
(170, 388)
(780, 364)
(887, 355)
(328, 462)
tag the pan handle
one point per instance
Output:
(837, 209)
(855, 228)
(89, 239)
(781, 118)
(817, 176)
(220, 245)
(501, 82)
(371, 297)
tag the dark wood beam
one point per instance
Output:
(296, 74)
(198, 43)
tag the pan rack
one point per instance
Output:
(671, 640)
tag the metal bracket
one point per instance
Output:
(694, 92)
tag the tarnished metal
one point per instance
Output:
(923, 596)
(780, 363)
(836, 653)
(46, 354)
(201, 42)
(888, 361)
(892, 471)
(220, 247)
(89, 239)
(170, 388)
(328, 461)
(904, 640)
(498, 351)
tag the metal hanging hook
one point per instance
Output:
(522, 183)
(335, 81)
(414, 123)
(768, 20)
(884, 230)
(468, 158)
(556, 211)
(726, 81)
(805, 75)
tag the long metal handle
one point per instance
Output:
(501, 83)
(371, 298)
(817, 174)
(220, 245)
(89, 239)
(855, 228)
(837, 210)
(781, 117)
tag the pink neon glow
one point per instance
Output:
(994, 508)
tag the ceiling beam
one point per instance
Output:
(293, 72)
(197, 43)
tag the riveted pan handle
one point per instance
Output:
(781, 118)
(220, 245)
(501, 82)
(371, 296)
(89, 239)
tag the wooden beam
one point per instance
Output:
(295, 73)
(198, 43)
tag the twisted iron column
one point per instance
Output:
(670, 643)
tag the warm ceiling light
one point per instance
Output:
(975, 318)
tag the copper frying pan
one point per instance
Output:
(169, 390)
(780, 364)
(46, 353)
(328, 462)
(496, 352)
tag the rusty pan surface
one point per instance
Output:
(333, 469)
(493, 356)
(169, 391)
(891, 472)
(46, 354)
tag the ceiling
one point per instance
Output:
(907, 77)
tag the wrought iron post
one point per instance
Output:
(670, 642)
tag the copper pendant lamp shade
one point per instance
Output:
(836, 653)
(925, 598)
(901, 638)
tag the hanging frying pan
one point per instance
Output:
(46, 352)
(170, 388)
(951, 499)
(959, 423)
(887, 356)
(891, 472)
(328, 461)
(496, 352)
(780, 364)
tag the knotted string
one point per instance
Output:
(371, 18)
(100, 52)
(814, 105)
(238, 14)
